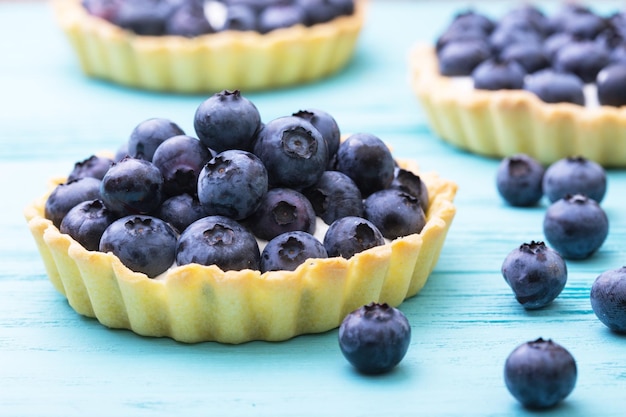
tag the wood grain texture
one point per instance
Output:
(465, 321)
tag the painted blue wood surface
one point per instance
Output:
(465, 321)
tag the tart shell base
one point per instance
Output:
(195, 303)
(209, 63)
(507, 122)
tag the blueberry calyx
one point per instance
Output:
(298, 143)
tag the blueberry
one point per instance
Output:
(375, 338)
(326, 125)
(94, 166)
(367, 160)
(608, 298)
(220, 241)
(180, 160)
(535, 273)
(65, 196)
(188, 20)
(555, 87)
(149, 134)
(611, 83)
(513, 32)
(583, 58)
(227, 120)
(519, 180)
(86, 222)
(459, 58)
(394, 212)
(180, 211)
(350, 235)
(461, 32)
(575, 226)
(289, 250)
(531, 56)
(319, 11)
(143, 243)
(335, 195)
(293, 151)
(407, 181)
(584, 25)
(132, 186)
(540, 373)
(282, 210)
(498, 74)
(574, 175)
(240, 17)
(280, 16)
(232, 184)
(143, 17)
(554, 42)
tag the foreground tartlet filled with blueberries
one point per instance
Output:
(246, 230)
(204, 46)
(548, 84)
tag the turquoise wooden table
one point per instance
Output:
(465, 321)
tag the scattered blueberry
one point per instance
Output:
(350, 235)
(375, 338)
(575, 226)
(220, 241)
(608, 298)
(289, 250)
(519, 180)
(574, 175)
(535, 273)
(143, 243)
(540, 373)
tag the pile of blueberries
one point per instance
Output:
(553, 55)
(169, 198)
(191, 18)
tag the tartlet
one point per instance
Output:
(213, 62)
(195, 303)
(507, 122)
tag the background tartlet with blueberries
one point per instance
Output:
(204, 46)
(548, 84)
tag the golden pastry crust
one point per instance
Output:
(209, 63)
(195, 303)
(506, 122)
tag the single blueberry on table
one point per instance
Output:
(394, 212)
(143, 243)
(132, 186)
(540, 373)
(535, 273)
(608, 298)
(375, 338)
(86, 222)
(293, 151)
(575, 226)
(232, 184)
(289, 250)
(366, 159)
(519, 180)
(350, 235)
(180, 160)
(65, 196)
(335, 195)
(149, 134)
(282, 210)
(574, 175)
(227, 120)
(219, 241)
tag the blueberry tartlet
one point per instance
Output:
(180, 235)
(204, 46)
(549, 84)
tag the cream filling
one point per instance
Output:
(589, 90)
